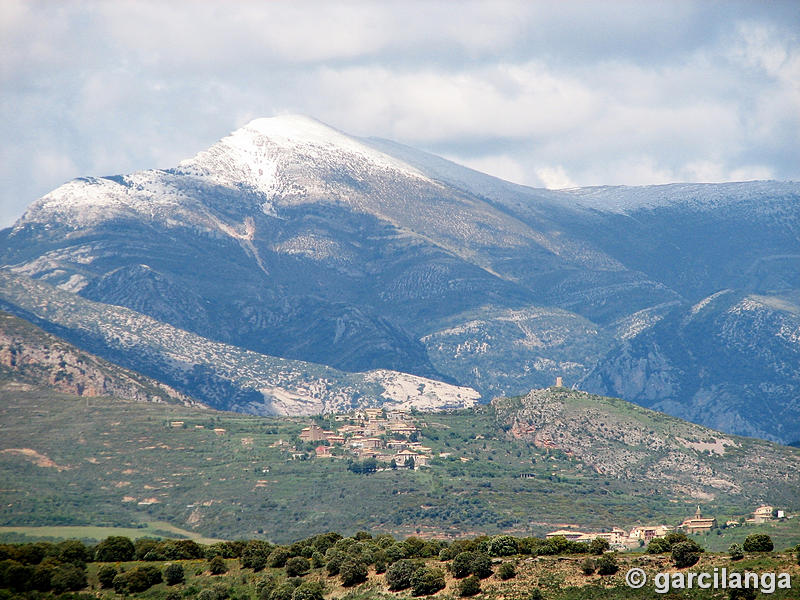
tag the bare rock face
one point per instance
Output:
(30, 355)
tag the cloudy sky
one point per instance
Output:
(554, 94)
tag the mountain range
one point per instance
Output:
(292, 268)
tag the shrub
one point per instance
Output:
(507, 571)
(607, 564)
(462, 565)
(173, 574)
(217, 566)
(481, 565)
(381, 561)
(685, 554)
(317, 560)
(742, 594)
(352, 572)
(207, 595)
(758, 542)
(598, 546)
(427, 581)
(736, 552)
(469, 587)
(173, 595)
(309, 590)
(798, 553)
(264, 587)
(502, 545)
(283, 592)
(658, 546)
(144, 545)
(395, 552)
(114, 549)
(69, 578)
(588, 566)
(535, 594)
(398, 576)
(277, 558)
(334, 559)
(254, 555)
(105, 576)
(73, 552)
(137, 580)
(297, 566)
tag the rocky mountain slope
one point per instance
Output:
(659, 452)
(32, 357)
(223, 376)
(363, 254)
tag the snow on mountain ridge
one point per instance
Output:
(262, 153)
(696, 196)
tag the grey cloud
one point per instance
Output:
(578, 92)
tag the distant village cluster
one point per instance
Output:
(386, 436)
(620, 539)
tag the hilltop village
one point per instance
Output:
(388, 437)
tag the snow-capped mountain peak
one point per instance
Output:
(265, 149)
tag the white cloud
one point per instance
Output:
(578, 93)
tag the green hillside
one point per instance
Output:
(104, 462)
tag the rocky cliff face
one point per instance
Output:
(223, 376)
(29, 355)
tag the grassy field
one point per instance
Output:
(89, 533)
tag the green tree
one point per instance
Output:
(41, 577)
(398, 576)
(333, 561)
(462, 565)
(598, 546)
(588, 566)
(658, 546)
(217, 566)
(352, 572)
(143, 546)
(742, 594)
(468, 587)
(607, 564)
(73, 552)
(297, 566)
(502, 545)
(758, 542)
(114, 549)
(685, 554)
(427, 581)
(105, 575)
(173, 574)
(254, 555)
(736, 551)
(481, 565)
(277, 558)
(68, 578)
(507, 571)
(284, 591)
(309, 590)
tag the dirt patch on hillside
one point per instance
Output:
(40, 460)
